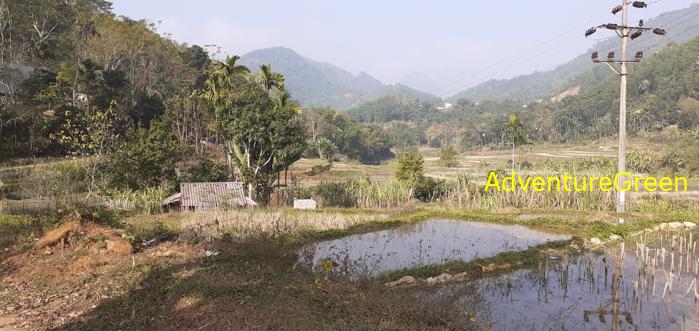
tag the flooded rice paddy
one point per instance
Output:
(422, 244)
(645, 284)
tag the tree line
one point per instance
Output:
(141, 110)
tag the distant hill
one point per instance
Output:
(316, 83)
(421, 81)
(682, 25)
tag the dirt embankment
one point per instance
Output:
(69, 271)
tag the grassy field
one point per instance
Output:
(252, 279)
(238, 269)
(479, 163)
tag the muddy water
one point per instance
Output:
(421, 244)
(650, 286)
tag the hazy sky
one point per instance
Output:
(446, 39)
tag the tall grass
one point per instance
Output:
(364, 193)
(246, 223)
(461, 191)
(147, 200)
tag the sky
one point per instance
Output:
(455, 43)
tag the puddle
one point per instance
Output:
(651, 286)
(421, 244)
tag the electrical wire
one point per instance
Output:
(518, 54)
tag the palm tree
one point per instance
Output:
(516, 130)
(271, 79)
(225, 73)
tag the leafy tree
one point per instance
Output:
(263, 135)
(326, 149)
(90, 134)
(146, 158)
(207, 170)
(410, 166)
(517, 133)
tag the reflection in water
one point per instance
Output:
(426, 243)
(646, 284)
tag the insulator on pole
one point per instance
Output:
(659, 31)
(639, 4)
(590, 31)
(617, 9)
(636, 34)
(640, 23)
(595, 56)
(611, 56)
(639, 55)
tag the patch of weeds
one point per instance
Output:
(519, 259)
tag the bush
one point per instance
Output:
(335, 194)
(642, 161)
(57, 183)
(147, 158)
(428, 189)
(207, 170)
(673, 160)
(448, 157)
(410, 166)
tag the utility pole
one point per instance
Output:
(621, 164)
(625, 32)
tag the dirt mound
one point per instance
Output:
(119, 246)
(54, 236)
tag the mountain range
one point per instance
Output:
(681, 26)
(315, 83)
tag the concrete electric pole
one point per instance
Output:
(624, 31)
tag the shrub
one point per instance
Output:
(410, 166)
(673, 160)
(642, 161)
(448, 157)
(146, 159)
(207, 170)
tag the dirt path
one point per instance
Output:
(7, 323)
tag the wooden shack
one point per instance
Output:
(208, 196)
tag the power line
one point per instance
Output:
(670, 24)
(484, 69)
(480, 78)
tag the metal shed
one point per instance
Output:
(207, 196)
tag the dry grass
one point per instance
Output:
(244, 224)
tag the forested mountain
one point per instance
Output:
(681, 25)
(316, 83)
(663, 91)
(77, 80)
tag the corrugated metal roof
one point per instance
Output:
(210, 195)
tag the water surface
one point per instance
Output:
(421, 244)
(651, 286)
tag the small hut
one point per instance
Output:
(208, 196)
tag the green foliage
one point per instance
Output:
(148, 199)
(325, 148)
(642, 161)
(206, 170)
(674, 160)
(369, 144)
(263, 132)
(515, 130)
(410, 166)
(58, 183)
(448, 156)
(147, 158)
